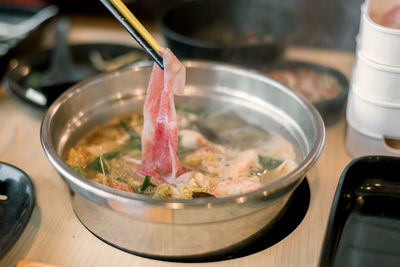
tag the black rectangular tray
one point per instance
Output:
(364, 223)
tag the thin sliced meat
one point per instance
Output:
(389, 19)
(160, 129)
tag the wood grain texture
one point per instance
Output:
(54, 235)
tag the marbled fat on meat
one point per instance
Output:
(160, 129)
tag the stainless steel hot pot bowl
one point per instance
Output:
(180, 228)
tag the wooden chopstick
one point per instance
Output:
(135, 28)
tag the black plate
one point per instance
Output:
(17, 209)
(15, 79)
(331, 110)
(364, 223)
(220, 30)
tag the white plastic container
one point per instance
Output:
(376, 81)
(360, 28)
(375, 117)
(359, 143)
(378, 43)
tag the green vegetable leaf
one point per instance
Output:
(80, 170)
(135, 142)
(135, 145)
(268, 163)
(111, 155)
(156, 196)
(132, 133)
(96, 165)
(187, 110)
(146, 183)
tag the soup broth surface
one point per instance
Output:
(221, 155)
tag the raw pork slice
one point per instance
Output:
(160, 129)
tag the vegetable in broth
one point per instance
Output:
(240, 157)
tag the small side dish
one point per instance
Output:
(325, 87)
(313, 84)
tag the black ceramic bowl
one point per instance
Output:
(17, 208)
(331, 109)
(21, 79)
(247, 32)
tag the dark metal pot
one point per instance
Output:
(247, 32)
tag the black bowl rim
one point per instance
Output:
(74, 47)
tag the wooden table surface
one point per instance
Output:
(54, 235)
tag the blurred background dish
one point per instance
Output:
(326, 88)
(21, 29)
(23, 79)
(240, 31)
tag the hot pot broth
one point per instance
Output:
(221, 155)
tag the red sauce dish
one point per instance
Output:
(325, 87)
